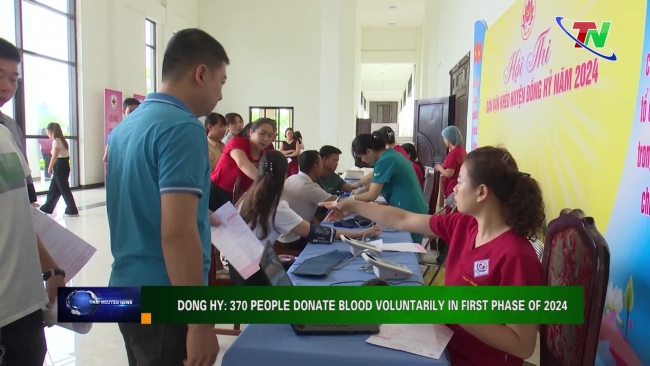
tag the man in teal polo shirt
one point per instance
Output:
(157, 189)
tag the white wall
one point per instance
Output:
(291, 53)
(448, 35)
(111, 54)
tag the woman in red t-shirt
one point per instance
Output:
(417, 166)
(239, 160)
(451, 166)
(499, 210)
(388, 136)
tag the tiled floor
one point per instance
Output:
(103, 345)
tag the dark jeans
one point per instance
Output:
(154, 344)
(59, 186)
(24, 341)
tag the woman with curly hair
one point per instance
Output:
(499, 210)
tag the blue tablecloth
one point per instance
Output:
(277, 344)
(351, 274)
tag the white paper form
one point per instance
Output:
(428, 340)
(236, 241)
(69, 251)
(404, 247)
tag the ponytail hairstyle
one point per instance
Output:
(212, 120)
(410, 149)
(364, 142)
(387, 135)
(253, 126)
(57, 133)
(518, 192)
(259, 205)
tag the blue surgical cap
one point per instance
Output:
(453, 135)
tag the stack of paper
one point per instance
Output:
(69, 251)
(236, 241)
(404, 247)
(428, 340)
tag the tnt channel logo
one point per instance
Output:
(589, 34)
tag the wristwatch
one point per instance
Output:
(53, 272)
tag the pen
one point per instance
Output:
(337, 199)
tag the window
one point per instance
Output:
(283, 116)
(47, 89)
(150, 54)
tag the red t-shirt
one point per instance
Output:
(454, 160)
(508, 260)
(418, 173)
(401, 150)
(226, 172)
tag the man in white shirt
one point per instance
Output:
(24, 261)
(303, 195)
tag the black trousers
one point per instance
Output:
(218, 197)
(59, 186)
(154, 344)
(24, 341)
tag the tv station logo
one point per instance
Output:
(98, 304)
(590, 37)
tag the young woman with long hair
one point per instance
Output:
(269, 216)
(417, 166)
(393, 177)
(215, 129)
(239, 160)
(235, 124)
(290, 147)
(499, 210)
(60, 169)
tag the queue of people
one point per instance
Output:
(167, 172)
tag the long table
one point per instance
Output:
(277, 344)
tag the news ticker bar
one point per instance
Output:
(319, 304)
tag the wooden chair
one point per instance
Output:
(575, 254)
(214, 281)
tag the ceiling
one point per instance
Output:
(385, 81)
(378, 13)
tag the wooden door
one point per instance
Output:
(364, 125)
(431, 117)
(459, 91)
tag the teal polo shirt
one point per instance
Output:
(401, 187)
(159, 148)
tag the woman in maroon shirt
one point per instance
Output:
(388, 135)
(499, 210)
(451, 166)
(290, 147)
(239, 161)
(417, 166)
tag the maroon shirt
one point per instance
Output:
(507, 260)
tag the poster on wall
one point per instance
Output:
(480, 27)
(564, 87)
(139, 97)
(112, 110)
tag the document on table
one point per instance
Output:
(428, 340)
(403, 247)
(236, 241)
(69, 251)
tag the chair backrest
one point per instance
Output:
(431, 189)
(236, 194)
(575, 254)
